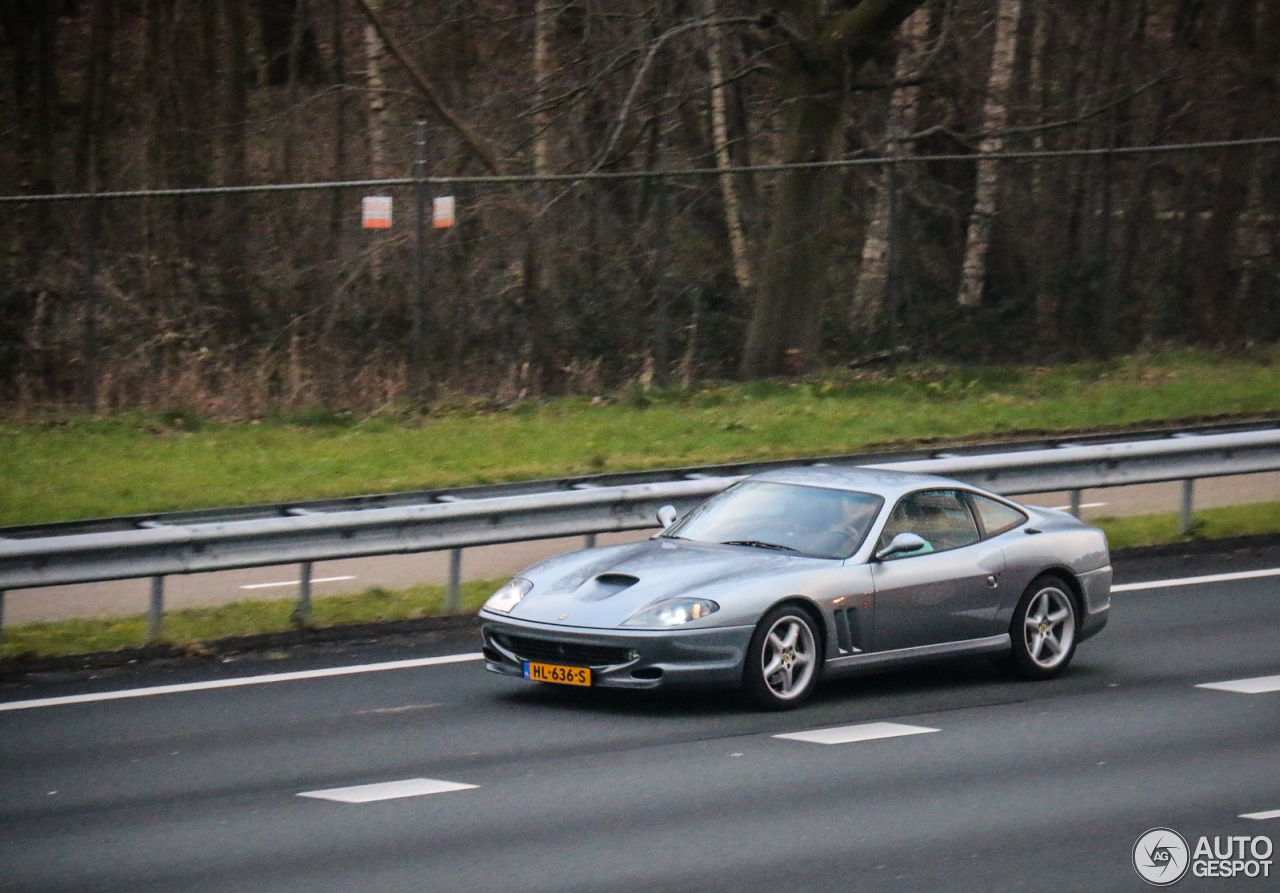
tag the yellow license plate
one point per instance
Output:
(557, 674)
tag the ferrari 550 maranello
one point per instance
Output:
(797, 575)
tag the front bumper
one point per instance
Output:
(1097, 601)
(638, 659)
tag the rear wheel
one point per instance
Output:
(782, 659)
(1044, 628)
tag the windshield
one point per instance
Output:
(812, 521)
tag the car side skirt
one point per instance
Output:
(877, 660)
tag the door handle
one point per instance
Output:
(992, 581)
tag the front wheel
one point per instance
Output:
(782, 660)
(1044, 627)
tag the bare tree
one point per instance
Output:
(873, 274)
(720, 138)
(821, 48)
(995, 114)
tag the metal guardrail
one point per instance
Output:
(158, 550)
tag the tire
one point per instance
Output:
(1045, 629)
(783, 659)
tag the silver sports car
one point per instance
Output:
(797, 575)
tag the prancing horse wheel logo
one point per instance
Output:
(1161, 857)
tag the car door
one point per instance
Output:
(944, 592)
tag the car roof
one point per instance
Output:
(881, 481)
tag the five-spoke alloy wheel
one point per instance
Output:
(782, 659)
(1044, 629)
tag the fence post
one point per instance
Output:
(89, 349)
(302, 613)
(417, 350)
(895, 308)
(1186, 517)
(452, 596)
(155, 614)
(661, 324)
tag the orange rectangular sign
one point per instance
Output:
(376, 212)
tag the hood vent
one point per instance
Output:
(622, 580)
(603, 586)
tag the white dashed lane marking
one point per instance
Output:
(296, 582)
(1262, 816)
(869, 731)
(388, 790)
(1257, 686)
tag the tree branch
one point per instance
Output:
(476, 143)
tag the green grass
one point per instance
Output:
(194, 626)
(1211, 524)
(70, 467)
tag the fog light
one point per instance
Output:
(633, 655)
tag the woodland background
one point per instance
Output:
(242, 303)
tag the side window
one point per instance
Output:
(996, 517)
(940, 517)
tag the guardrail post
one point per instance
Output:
(302, 613)
(1075, 503)
(1, 623)
(1186, 517)
(452, 596)
(589, 541)
(155, 614)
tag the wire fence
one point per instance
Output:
(255, 298)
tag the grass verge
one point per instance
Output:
(71, 467)
(192, 627)
(195, 626)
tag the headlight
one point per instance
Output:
(673, 612)
(508, 596)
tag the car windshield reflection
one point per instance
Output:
(814, 521)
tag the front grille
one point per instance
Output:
(563, 652)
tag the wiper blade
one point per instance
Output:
(759, 545)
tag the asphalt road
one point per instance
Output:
(1023, 786)
(131, 597)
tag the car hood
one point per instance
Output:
(601, 588)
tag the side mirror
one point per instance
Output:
(902, 543)
(667, 516)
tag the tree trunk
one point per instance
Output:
(374, 58)
(871, 289)
(821, 52)
(89, 148)
(995, 114)
(720, 139)
(234, 242)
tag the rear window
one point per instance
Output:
(996, 517)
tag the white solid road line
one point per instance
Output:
(388, 790)
(296, 582)
(1083, 505)
(1262, 816)
(868, 731)
(1258, 686)
(456, 658)
(1192, 581)
(234, 683)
